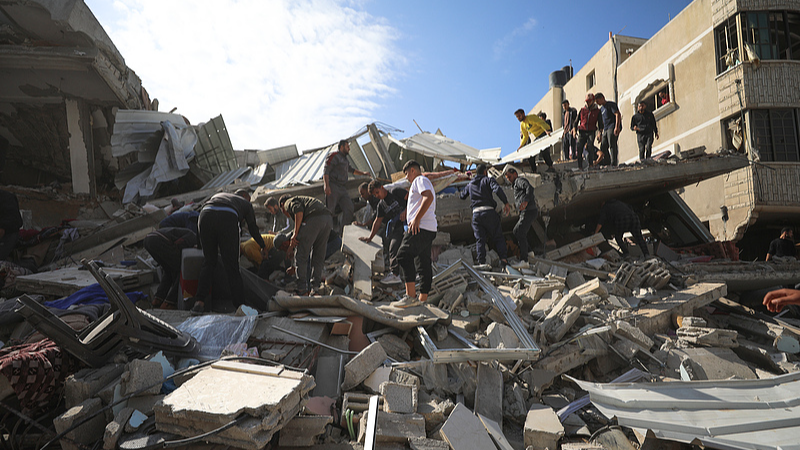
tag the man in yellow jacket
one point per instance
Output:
(533, 125)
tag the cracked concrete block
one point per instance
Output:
(464, 431)
(87, 383)
(89, 432)
(428, 444)
(376, 378)
(594, 286)
(538, 289)
(144, 403)
(328, 376)
(559, 320)
(115, 428)
(434, 410)
(489, 393)
(395, 347)
(399, 398)
(403, 377)
(303, 431)
(391, 427)
(575, 279)
(711, 363)
(707, 337)
(501, 336)
(542, 427)
(140, 374)
(633, 333)
(362, 365)
(625, 347)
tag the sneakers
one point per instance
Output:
(406, 302)
(391, 279)
(482, 267)
(198, 308)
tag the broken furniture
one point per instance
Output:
(123, 324)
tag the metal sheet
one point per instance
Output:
(140, 131)
(729, 414)
(444, 148)
(533, 148)
(214, 151)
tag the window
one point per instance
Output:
(590, 80)
(775, 134)
(727, 43)
(766, 32)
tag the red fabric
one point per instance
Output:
(588, 119)
(36, 372)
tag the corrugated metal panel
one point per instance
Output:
(309, 167)
(214, 151)
(729, 414)
(278, 155)
(533, 148)
(227, 178)
(140, 131)
(440, 147)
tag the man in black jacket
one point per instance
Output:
(526, 204)
(569, 140)
(10, 223)
(644, 124)
(166, 245)
(218, 225)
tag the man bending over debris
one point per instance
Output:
(392, 210)
(312, 226)
(485, 220)
(165, 245)
(782, 246)
(337, 168)
(623, 218)
(414, 254)
(219, 233)
(526, 204)
(277, 245)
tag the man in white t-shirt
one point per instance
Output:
(415, 248)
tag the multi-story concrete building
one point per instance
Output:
(731, 71)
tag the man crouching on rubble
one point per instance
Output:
(526, 203)
(485, 220)
(312, 226)
(623, 218)
(415, 248)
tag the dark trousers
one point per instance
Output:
(631, 224)
(313, 238)
(7, 244)
(393, 239)
(586, 139)
(414, 255)
(608, 145)
(274, 261)
(521, 229)
(645, 142)
(486, 228)
(219, 234)
(168, 256)
(569, 145)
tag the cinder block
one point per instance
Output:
(362, 365)
(89, 432)
(115, 428)
(399, 398)
(140, 374)
(394, 427)
(87, 383)
(542, 427)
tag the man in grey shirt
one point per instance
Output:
(526, 204)
(337, 168)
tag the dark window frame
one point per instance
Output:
(775, 134)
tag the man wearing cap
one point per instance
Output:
(782, 246)
(590, 126)
(526, 204)
(533, 125)
(218, 225)
(337, 168)
(485, 220)
(312, 226)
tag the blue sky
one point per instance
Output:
(311, 72)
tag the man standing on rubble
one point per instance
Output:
(782, 246)
(392, 211)
(645, 126)
(533, 125)
(612, 127)
(10, 223)
(218, 225)
(414, 254)
(485, 220)
(337, 168)
(623, 218)
(589, 124)
(568, 139)
(312, 226)
(526, 204)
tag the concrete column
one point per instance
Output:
(81, 155)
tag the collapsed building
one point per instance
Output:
(572, 346)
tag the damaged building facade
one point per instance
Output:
(730, 72)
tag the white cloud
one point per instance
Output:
(308, 72)
(513, 38)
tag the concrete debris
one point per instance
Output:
(304, 431)
(362, 365)
(142, 378)
(399, 398)
(87, 432)
(489, 393)
(464, 431)
(542, 427)
(391, 427)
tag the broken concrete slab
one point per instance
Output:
(362, 365)
(391, 427)
(303, 431)
(501, 336)
(395, 347)
(711, 363)
(707, 337)
(542, 427)
(87, 433)
(428, 444)
(217, 395)
(364, 254)
(141, 375)
(464, 431)
(403, 377)
(376, 378)
(632, 333)
(115, 428)
(560, 319)
(658, 316)
(495, 432)
(575, 247)
(399, 398)
(489, 393)
(87, 382)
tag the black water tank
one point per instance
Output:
(558, 78)
(568, 71)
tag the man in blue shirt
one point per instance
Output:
(485, 220)
(612, 126)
